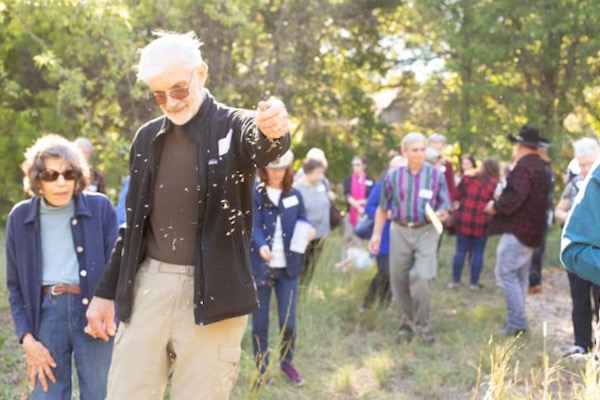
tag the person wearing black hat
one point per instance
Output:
(521, 212)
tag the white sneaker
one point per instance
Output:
(575, 350)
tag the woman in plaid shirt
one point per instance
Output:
(471, 222)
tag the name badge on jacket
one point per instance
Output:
(225, 143)
(290, 201)
(425, 194)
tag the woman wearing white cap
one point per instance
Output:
(277, 209)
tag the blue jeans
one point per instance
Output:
(61, 331)
(286, 291)
(513, 259)
(475, 245)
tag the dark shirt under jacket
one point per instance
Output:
(174, 218)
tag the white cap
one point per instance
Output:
(282, 162)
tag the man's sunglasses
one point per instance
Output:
(51, 176)
(178, 93)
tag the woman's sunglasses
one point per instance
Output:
(51, 176)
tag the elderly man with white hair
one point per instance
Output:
(180, 271)
(584, 294)
(437, 141)
(406, 193)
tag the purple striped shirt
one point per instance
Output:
(406, 194)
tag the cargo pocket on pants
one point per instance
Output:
(229, 357)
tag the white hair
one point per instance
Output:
(586, 146)
(432, 156)
(84, 143)
(317, 154)
(411, 138)
(168, 48)
(437, 138)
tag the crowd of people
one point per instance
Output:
(213, 221)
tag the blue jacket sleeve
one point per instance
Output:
(580, 242)
(121, 212)
(373, 200)
(111, 229)
(16, 297)
(258, 236)
(443, 195)
(301, 208)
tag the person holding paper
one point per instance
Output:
(405, 193)
(276, 258)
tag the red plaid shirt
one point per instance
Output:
(473, 195)
(523, 204)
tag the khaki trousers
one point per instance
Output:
(413, 265)
(161, 339)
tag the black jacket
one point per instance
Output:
(230, 149)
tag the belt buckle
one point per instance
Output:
(53, 291)
(411, 224)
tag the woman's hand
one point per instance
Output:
(39, 362)
(265, 253)
(312, 234)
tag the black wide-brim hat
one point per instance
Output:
(529, 136)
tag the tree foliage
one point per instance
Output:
(512, 62)
(67, 67)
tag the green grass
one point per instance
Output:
(343, 354)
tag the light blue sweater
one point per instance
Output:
(59, 260)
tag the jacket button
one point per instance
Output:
(80, 249)
(85, 301)
(83, 272)
(74, 221)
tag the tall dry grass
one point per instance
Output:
(343, 354)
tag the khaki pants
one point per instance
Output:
(413, 265)
(161, 338)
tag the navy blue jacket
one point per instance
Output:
(94, 228)
(371, 209)
(265, 217)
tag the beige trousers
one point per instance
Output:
(161, 339)
(413, 265)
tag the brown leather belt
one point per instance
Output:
(55, 290)
(412, 224)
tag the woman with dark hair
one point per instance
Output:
(278, 208)
(468, 165)
(316, 201)
(57, 244)
(471, 222)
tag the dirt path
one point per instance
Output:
(553, 307)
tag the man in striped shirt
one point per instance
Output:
(413, 240)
